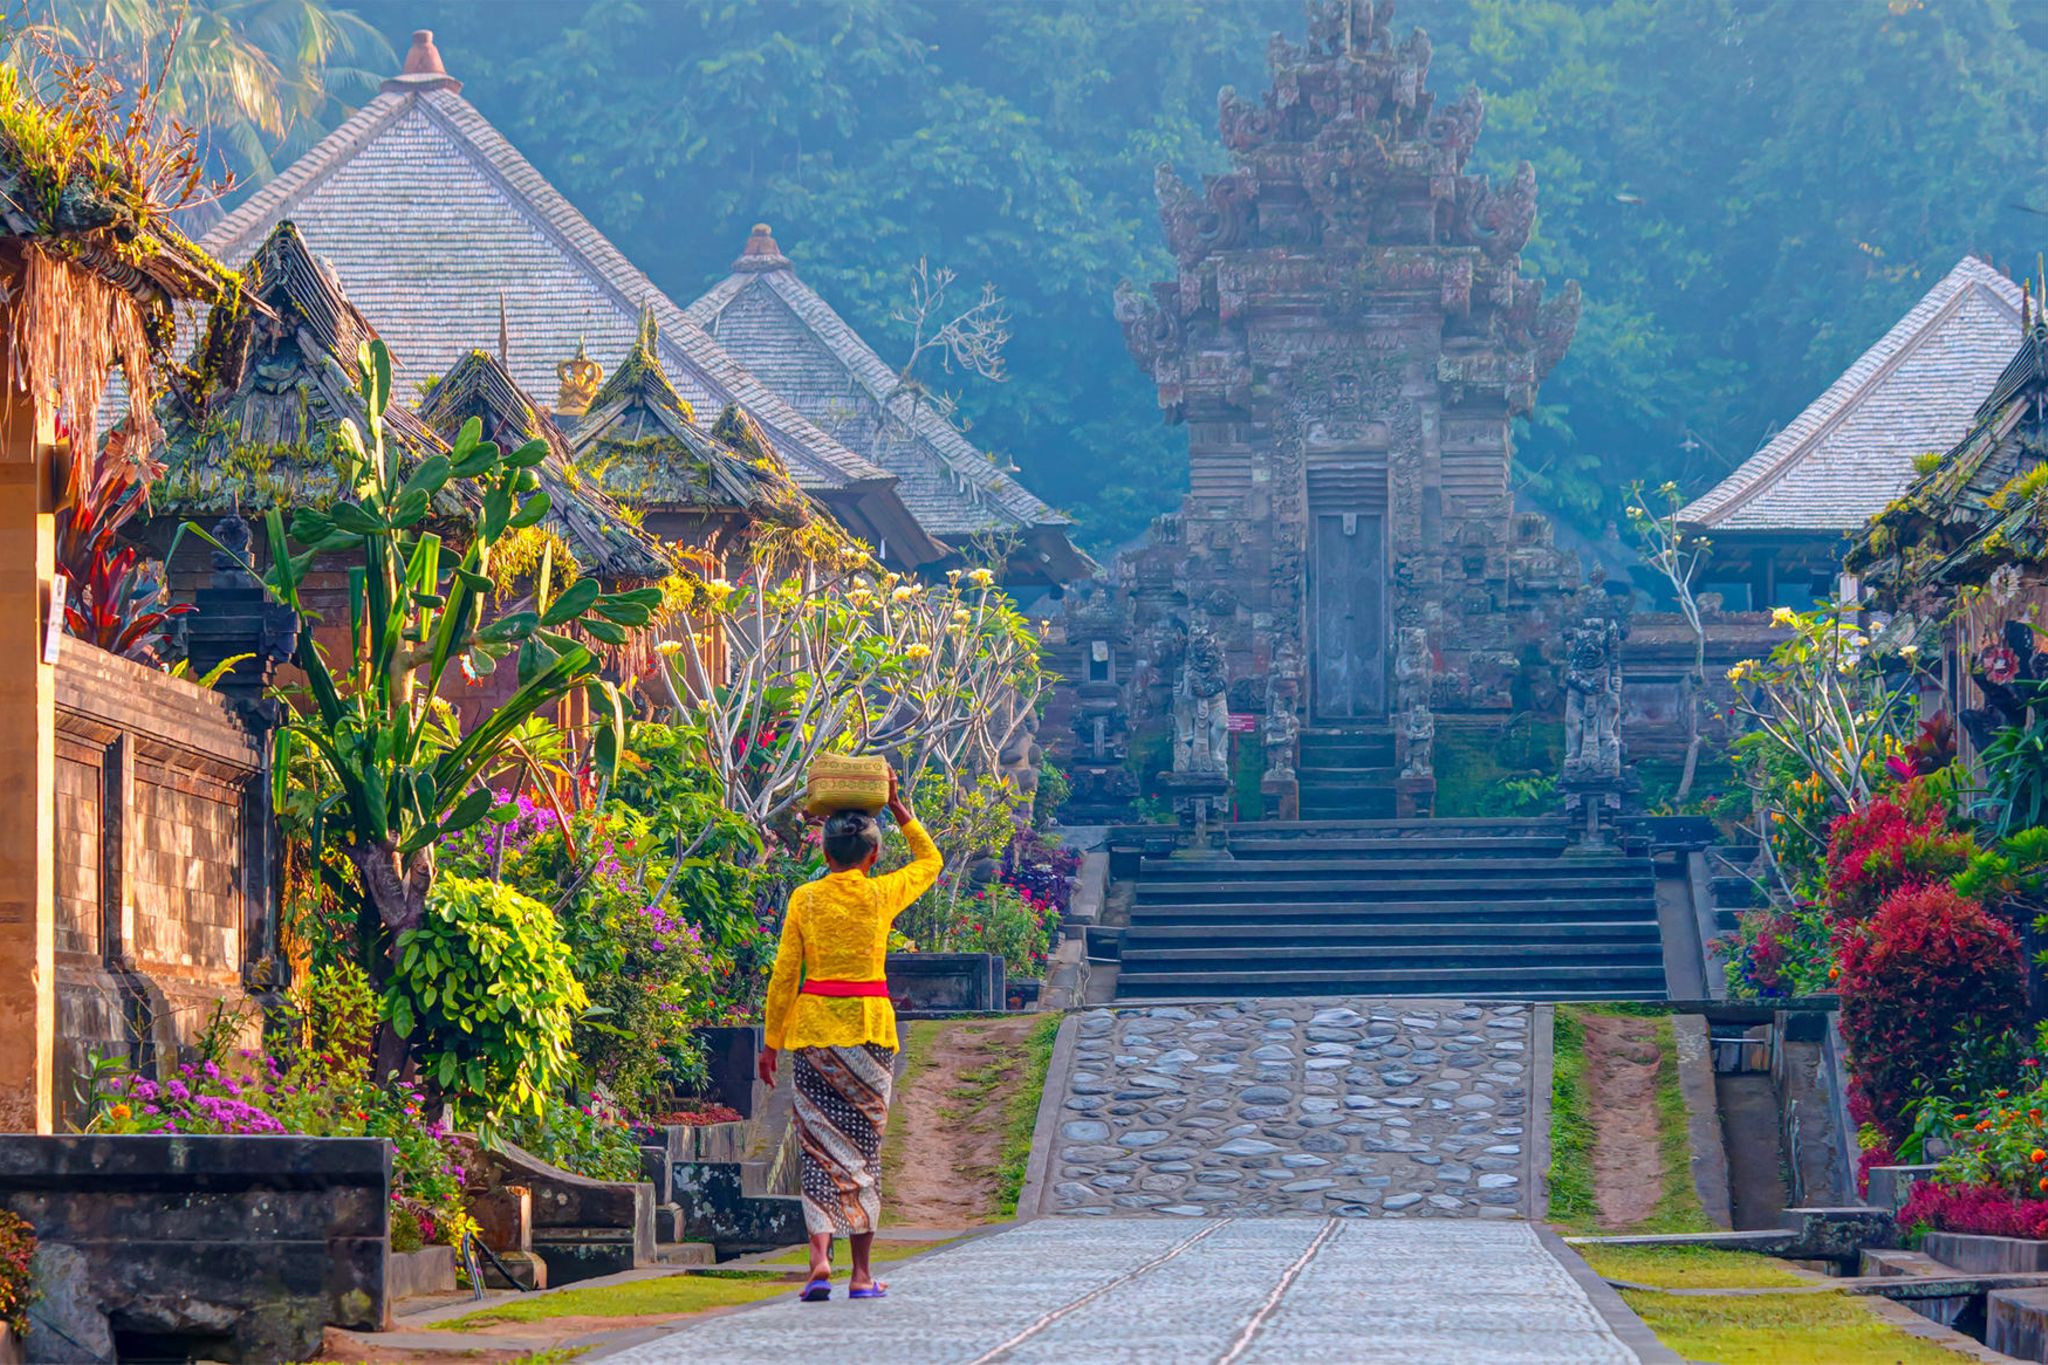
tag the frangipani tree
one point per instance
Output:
(1678, 555)
(1835, 697)
(393, 769)
(938, 677)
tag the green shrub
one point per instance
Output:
(486, 994)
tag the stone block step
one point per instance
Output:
(1364, 801)
(1562, 910)
(1169, 870)
(1335, 935)
(1332, 771)
(1477, 983)
(1528, 886)
(1422, 957)
(1419, 828)
(1466, 849)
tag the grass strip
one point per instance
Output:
(1020, 1122)
(1680, 1267)
(1571, 1123)
(1781, 1329)
(666, 1296)
(1679, 1209)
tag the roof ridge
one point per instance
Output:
(631, 286)
(867, 368)
(1767, 467)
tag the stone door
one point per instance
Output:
(1348, 615)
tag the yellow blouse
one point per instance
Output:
(837, 929)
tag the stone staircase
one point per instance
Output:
(1347, 773)
(1470, 909)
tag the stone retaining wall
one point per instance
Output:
(165, 863)
(208, 1248)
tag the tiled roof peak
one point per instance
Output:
(422, 69)
(761, 255)
(1851, 451)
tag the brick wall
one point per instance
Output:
(163, 881)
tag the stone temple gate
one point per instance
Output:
(1347, 341)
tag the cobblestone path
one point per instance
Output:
(1223, 1290)
(1370, 1108)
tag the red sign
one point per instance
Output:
(1243, 725)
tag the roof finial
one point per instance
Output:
(650, 331)
(504, 334)
(422, 69)
(580, 378)
(761, 255)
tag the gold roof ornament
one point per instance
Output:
(580, 377)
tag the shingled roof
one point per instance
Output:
(1852, 450)
(434, 223)
(783, 331)
(247, 425)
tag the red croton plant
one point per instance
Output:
(117, 599)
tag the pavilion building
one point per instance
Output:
(788, 336)
(1781, 522)
(439, 229)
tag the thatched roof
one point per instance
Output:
(1852, 450)
(479, 386)
(89, 264)
(785, 332)
(641, 440)
(248, 424)
(1984, 503)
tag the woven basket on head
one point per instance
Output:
(846, 782)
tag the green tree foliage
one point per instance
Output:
(391, 772)
(1750, 191)
(259, 80)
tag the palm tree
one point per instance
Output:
(259, 80)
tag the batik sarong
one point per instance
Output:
(842, 1106)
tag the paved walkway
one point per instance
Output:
(1225, 1290)
(1361, 1108)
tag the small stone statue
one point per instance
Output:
(1592, 715)
(1201, 707)
(1418, 727)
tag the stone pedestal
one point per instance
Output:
(1201, 801)
(1592, 807)
(1283, 795)
(1415, 797)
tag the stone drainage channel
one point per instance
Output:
(1273, 1180)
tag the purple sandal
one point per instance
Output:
(873, 1291)
(817, 1291)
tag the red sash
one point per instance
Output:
(847, 989)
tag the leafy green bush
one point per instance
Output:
(590, 1139)
(659, 901)
(486, 993)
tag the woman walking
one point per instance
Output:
(829, 1004)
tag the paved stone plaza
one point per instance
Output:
(1222, 1290)
(1359, 1109)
